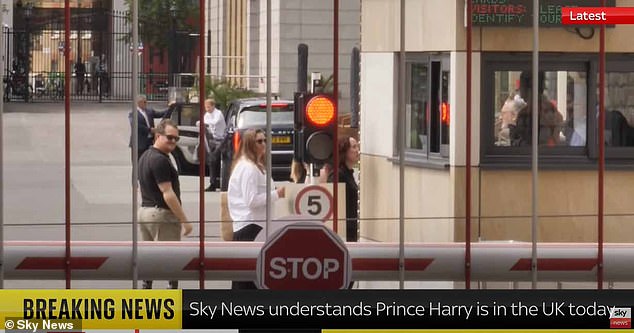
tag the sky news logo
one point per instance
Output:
(621, 318)
(21, 325)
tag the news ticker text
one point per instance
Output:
(345, 309)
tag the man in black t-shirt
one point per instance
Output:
(161, 215)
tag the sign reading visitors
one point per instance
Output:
(519, 13)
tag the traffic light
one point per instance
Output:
(319, 119)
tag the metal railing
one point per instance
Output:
(100, 41)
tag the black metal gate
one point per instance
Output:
(101, 58)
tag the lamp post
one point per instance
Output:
(171, 66)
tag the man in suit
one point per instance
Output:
(146, 116)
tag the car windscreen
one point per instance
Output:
(255, 116)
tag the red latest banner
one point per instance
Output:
(597, 15)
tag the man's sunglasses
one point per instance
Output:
(172, 137)
(261, 141)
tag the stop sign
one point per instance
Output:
(304, 256)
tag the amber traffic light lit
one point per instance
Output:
(444, 113)
(320, 110)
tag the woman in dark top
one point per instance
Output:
(348, 158)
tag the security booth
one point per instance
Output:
(568, 136)
(500, 142)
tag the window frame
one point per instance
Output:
(614, 63)
(513, 61)
(424, 156)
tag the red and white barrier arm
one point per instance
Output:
(370, 261)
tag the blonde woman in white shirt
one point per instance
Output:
(247, 186)
(246, 194)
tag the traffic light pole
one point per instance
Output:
(315, 82)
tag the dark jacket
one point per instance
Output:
(80, 69)
(145, 137)
(352, 201)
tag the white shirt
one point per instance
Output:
(216, 122)
(246, 195)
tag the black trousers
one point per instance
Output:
(352, 235)
(246, 234)
(79, 84)
(352, 227)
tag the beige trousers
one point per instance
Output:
(158, 224)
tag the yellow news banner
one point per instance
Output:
(467, 330)
(96, 309)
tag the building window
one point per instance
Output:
(427, 106)
(417, 103)
(568, 108)
(619, 110)
(562, 109)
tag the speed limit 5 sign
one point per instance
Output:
(315, 201)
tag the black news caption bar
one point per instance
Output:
(403, 309)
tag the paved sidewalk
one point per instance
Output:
(101, 198)
(33, 151)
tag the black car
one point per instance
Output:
(241, 115)
(248, 113)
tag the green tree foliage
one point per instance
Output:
(224, 92)
(155, 19)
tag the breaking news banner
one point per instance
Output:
(78, 310)
(310, 311)
(407, 309)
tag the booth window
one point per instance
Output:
(619, 108)
(568, 108)
(428, 113)
(562, 109)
